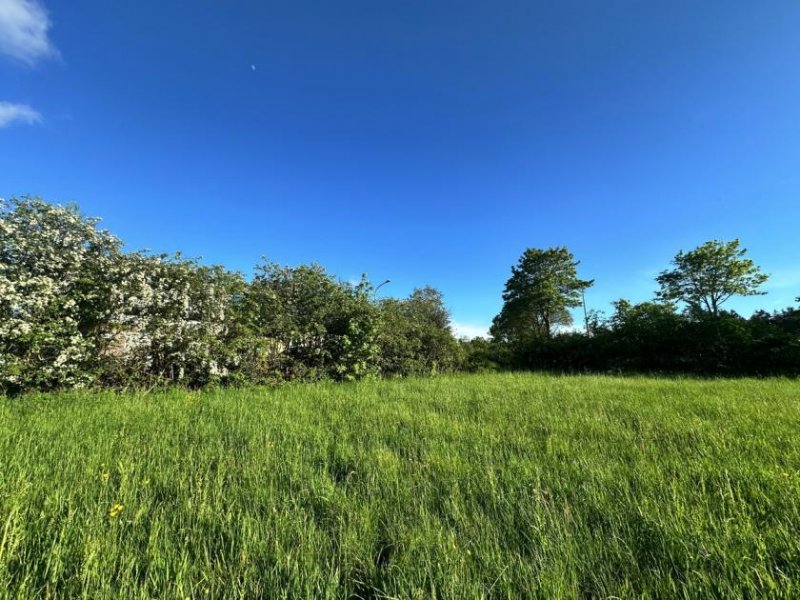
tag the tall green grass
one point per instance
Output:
(454, 487)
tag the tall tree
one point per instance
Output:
(544, 285)
(709, 275)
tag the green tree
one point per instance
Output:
(415, 336)
(480, 355)
(544, 285)
(708, 276)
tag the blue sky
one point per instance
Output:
(426, 142)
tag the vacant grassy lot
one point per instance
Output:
(458, 487)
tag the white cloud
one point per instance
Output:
(17, 113)
(469, 331)
(23, 31)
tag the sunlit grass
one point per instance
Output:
(456, 487)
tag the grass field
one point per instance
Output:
(453, 487)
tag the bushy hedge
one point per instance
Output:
(654, 337)
(76, 310)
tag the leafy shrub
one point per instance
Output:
(59, 275)
(76, 310)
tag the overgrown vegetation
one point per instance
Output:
(455, 487)
(76, 310)
(508, 485)
(654, 337)
(649, 337)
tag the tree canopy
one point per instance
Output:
(708, 276)
(544, 285)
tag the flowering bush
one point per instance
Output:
(58, 272)
(175, 321)
(76, 310)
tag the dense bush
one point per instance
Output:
(648, 337)
(175, 321)
(59, 293)
(415, 335)
(653, 337)
(308, 325)
(76, 310)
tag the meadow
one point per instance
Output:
(468, 486)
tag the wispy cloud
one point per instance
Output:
(17, 113)
(24, 27)
(469, 331)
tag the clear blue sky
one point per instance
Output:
(429, 142)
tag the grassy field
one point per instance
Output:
(454, 487)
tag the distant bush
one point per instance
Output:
(653, 337)
(415, 337)
(479, 355)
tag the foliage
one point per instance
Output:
(708, 276)
(415, 336)
(176, 323)
(480, 355)
(319, 327)
(59, 274)
(498, 485)
(653, 337)
(543, 286)
(75, 310)
(649, 336)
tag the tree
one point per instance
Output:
(709, 275)
(415, 336)
(649, 336)
(543, 286)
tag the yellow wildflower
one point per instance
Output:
(115, 510)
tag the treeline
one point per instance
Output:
(685, 329)
(76, 310)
